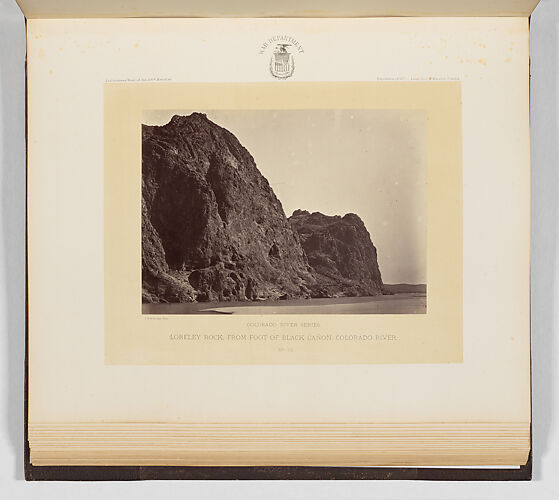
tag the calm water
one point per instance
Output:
(400, 303)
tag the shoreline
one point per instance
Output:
(398, 303)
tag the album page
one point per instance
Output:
(279, 220)
(58, 9)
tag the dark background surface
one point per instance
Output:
(545, 354)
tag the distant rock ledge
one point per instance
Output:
(340, 252)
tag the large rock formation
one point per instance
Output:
(212, 227)
(341, 253)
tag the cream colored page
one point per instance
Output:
(68, 63)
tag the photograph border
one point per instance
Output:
(133, 338)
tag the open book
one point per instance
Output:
(278, 241)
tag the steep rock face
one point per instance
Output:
(341, 253)
(212, 227)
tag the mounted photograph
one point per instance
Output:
(284, 211)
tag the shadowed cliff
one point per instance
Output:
(213, 229)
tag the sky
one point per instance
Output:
(369, 162)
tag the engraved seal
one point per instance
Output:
(282, 64)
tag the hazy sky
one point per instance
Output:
(369, 162)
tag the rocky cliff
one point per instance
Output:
(341, 253)
(212, 227)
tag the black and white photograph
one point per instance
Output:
(307, 211)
